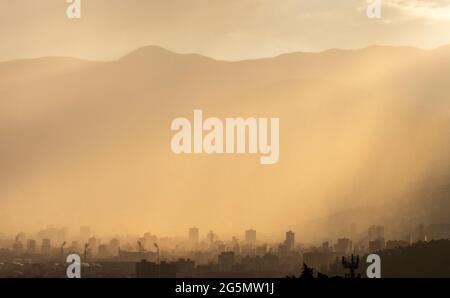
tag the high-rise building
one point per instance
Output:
(193, 235)
(343, 246)
(17, 247)
(185, 268)
(326, 247)
(46, 246)
(211, 237)
(31, 246)
(376, 232)
(145, 269)
(250, 236)
(261, 250)
(114, 247)
(290, 240)
(93, 245)
(420, 234)
(377, 245)
(226, 261)
(103, 251)
(392, 244)
(438, 231)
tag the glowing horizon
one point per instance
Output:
(218, 29)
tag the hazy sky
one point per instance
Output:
(88, 143)
(223, 29)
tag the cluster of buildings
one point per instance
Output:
(152, 256)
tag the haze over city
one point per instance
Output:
(364, 133)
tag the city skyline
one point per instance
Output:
(195, 235)
(153, 257)
(216, 138)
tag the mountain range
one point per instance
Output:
(88, 142)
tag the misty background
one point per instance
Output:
(364, 134)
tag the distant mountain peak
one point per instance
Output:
(154, 52)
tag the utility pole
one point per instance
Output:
(157, 252)
(140, 250)
(62, 250)
(85, 252)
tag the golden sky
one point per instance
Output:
(222, 29)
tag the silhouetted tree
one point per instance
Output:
(321, 275)
(307, 272)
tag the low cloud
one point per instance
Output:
(428, 9)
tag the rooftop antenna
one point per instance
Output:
(351, 264)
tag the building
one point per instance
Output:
(438, 231)
(343, 246)
(114, 247)
(211, 238)
(377, 245)
(185, 268)
(103, 251)
(391, 244)
(376, 232)
(111, 269)
(283, 249)
(74, 247)
(250, 236)
(92, 242)
(167, 270)
(326, 247)
(149, 241)
(31, 246)
(46, 246)
(319, 260)
(266, 263)
(419, 234)
(226, 261)
(290, 240)
(146, 269)
(18, 247)
(137, 256)
(248, 250)
(193, 235)
(261, 250)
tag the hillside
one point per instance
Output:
(87, 142)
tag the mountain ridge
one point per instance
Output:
(356, 127)
(162, 51)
